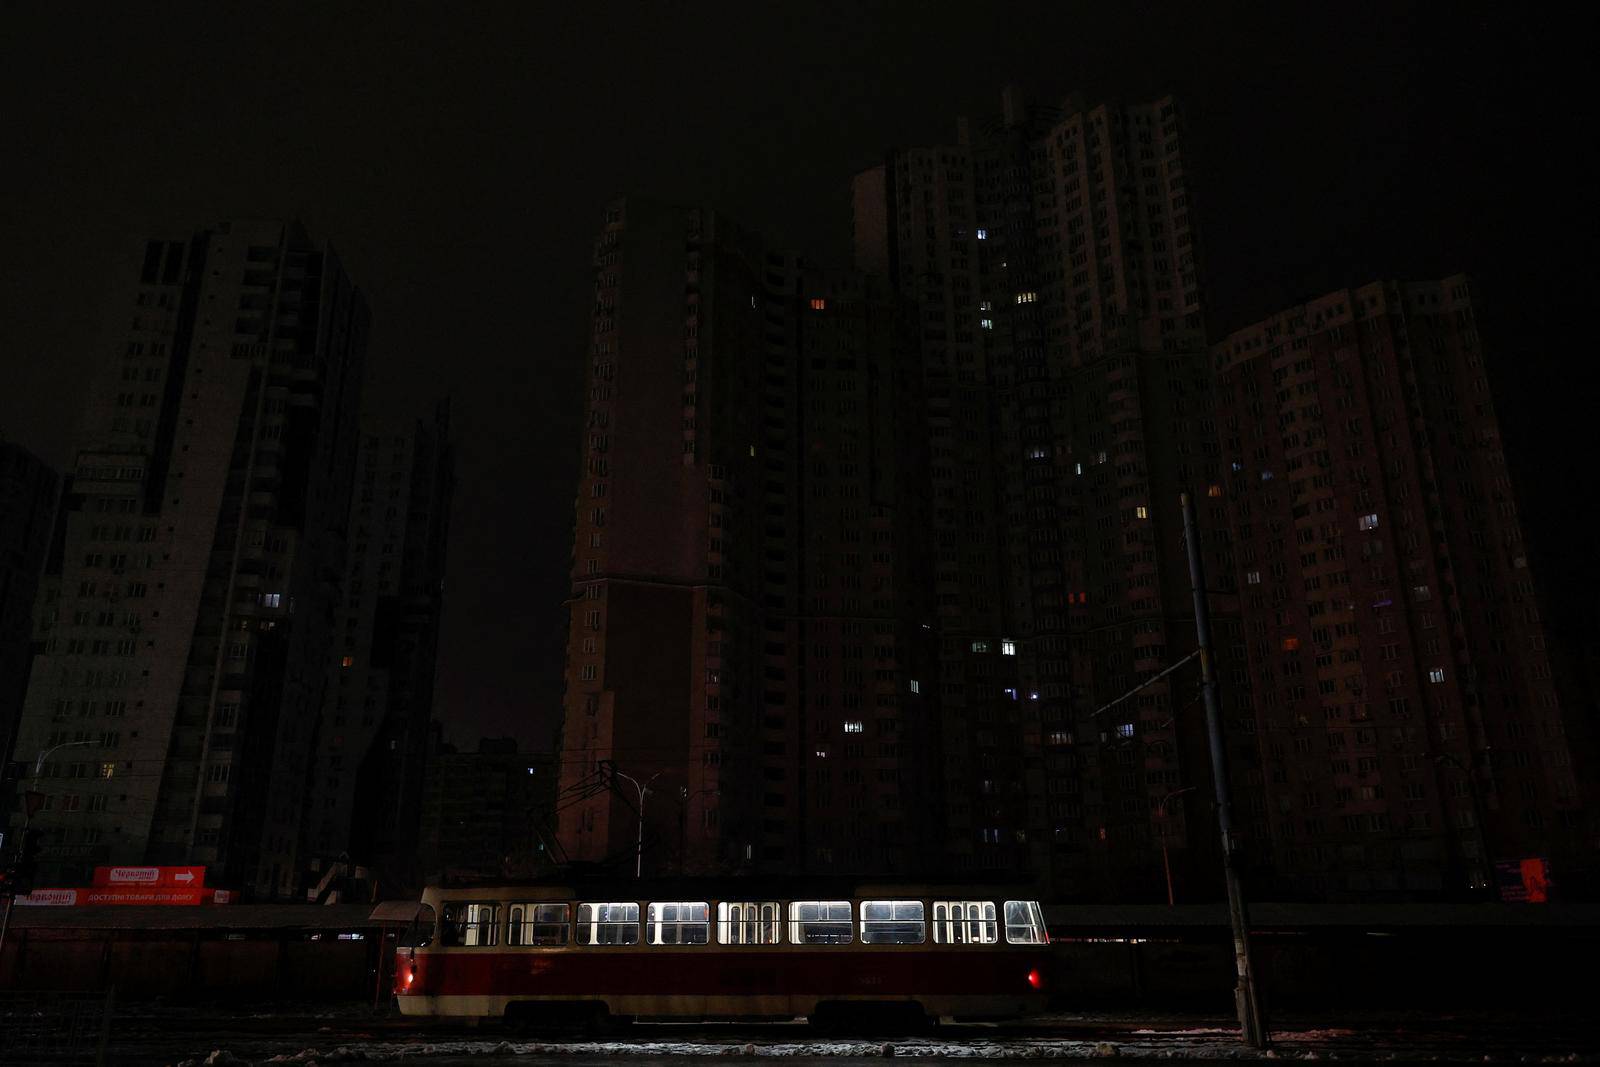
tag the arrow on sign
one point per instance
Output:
(186, 876)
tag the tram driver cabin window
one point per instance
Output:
(964, 922)
(609, 923)
(468, 925)
(892, 922)
(1025, 923)
(750, 922)
(819, 922)
(538, 924)
(683, 922)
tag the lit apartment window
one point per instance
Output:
(854, 727)
(986, 305)
(916, 686)
(818, 304)
(1027, 298)
(1368, 522)
(980, 646)
(1125, 729)
(983, 235)
(1214, 491)
(1253, 577)
(1436, 674)
(986, 324)
(1141, 512)
(348, 661)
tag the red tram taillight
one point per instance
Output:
(1036, 979)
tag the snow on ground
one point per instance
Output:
(1206, 1044)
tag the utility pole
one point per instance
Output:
(1252, 1026)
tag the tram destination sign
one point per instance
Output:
(177, 877)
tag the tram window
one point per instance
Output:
(1025, 923)
(964, 922)
(750, 922)
(819, 922)
(538, 924)
(892, 922)
(468, 924)
(680, 922)
(608, 924)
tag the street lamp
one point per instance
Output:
(32, 799)
(38, 764)
(1161, 813)
(644, 791)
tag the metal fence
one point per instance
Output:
(48, 1027)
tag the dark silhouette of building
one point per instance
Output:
(29, 492)
(747, 622)
(174, 703)
(848, 538)
(1406, 713)
(481, 810)
(367, 785)
(1053, 258)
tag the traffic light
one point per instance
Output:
(20, 873)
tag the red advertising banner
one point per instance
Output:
(185, 877)
(1525, 881)
(125, 895)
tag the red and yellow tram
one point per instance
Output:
(556, 953)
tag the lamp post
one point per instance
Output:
(32, 800)
(1161, 813)
(644, 791)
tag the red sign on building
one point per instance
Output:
(181, 877)
(1524, 881)
(125, 895)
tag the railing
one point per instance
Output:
(52, 1027)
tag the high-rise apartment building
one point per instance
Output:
(175, 702)
(476, 810)
(1053, 262)
(747, 629)
(845, 539)
(367, 784)
(28, 494)
(1405, 709)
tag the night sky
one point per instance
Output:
(458, 157)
